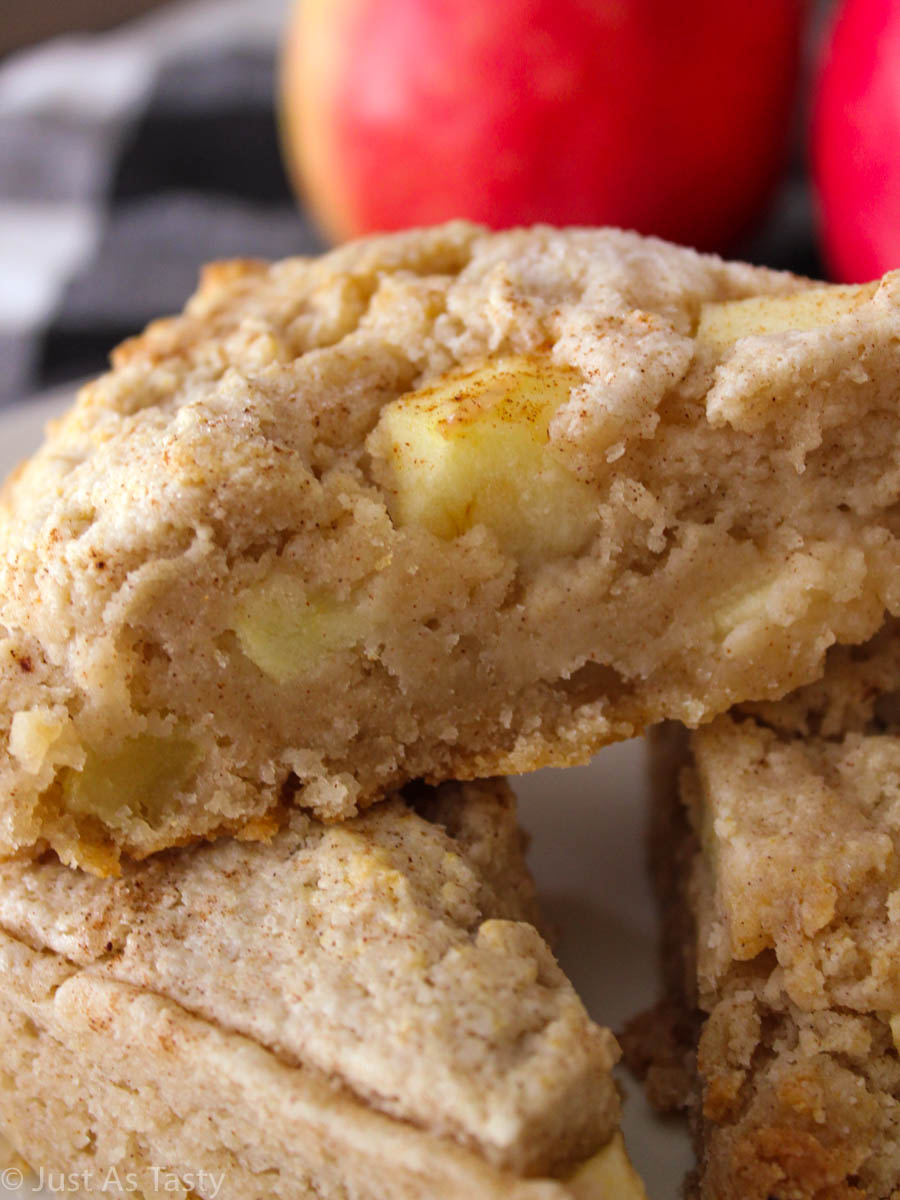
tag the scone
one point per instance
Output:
(782, 894)
(360, 1010)
(438, 505)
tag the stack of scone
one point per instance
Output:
(777, 846)
(432, 508)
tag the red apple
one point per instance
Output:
(856, 141)
(663, 117)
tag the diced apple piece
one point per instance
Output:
(745, 604)
(799, 589)
(42, 735)
(473, 449)
(286, 631)
(137, 779)
(608, 1175)
(723, 323)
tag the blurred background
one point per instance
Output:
(139, 139)
(131, 151)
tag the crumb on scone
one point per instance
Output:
(783, 912)
(364, 1009)
(441, 504)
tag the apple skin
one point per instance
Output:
(667, 118)
(856, 141)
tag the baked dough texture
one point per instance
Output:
(361, 1010)
(438, 505)
(783, 899)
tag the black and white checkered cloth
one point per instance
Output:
(127, 159)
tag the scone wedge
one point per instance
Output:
(439, 505)
(361, 1010)
(778, 854)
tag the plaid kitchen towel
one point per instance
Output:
(129, 158)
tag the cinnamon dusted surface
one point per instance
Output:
(270, 557)
(783, 959)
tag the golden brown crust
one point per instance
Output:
(796, 1076)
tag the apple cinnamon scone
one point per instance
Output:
(359, 1010)
(437, 505)
(779, 866)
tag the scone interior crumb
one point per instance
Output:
(442, 504)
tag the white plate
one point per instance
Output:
(587, 854)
